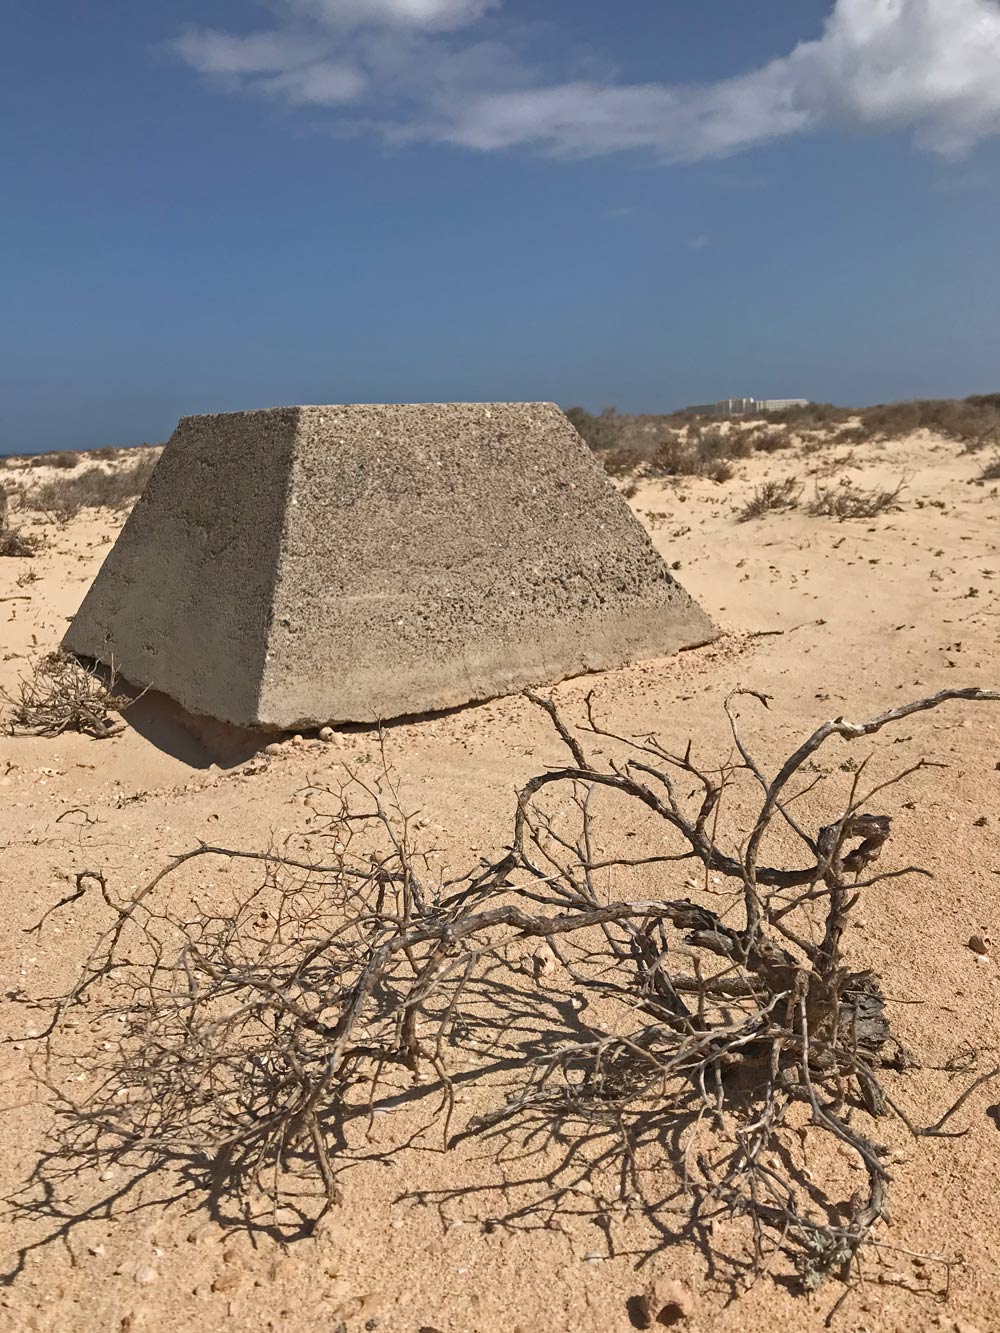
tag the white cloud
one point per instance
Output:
(930, 66)
(212, 52)
(440, 14)
(325, 83)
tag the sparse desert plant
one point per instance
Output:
(62, 694)
(674, 457)
(246, 1037)
(769, 439)
(19, 544)
(621, 462)
(990, 471)
(848, 501)
(703, 451)
(769, 497)
(720, 470)
(64, 458)
(94, 488)
(12, 542)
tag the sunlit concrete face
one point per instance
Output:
(296, 566)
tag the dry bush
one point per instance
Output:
(622, 462)
(849, 435)
(990, 471)
(720, 470)
(674, 457)
(972, 422)
(848, 501)
(769, 439)
(62, 459)
(812, 414)
(703, 451)
(694, 1049)
(769, 497)
(63, 695)
(94, 488)
(12, 542)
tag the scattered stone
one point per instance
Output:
(327, 734)
(543, 962)
(665, 1301)
(146, 1275)
(274, 748)
(979, 944)
(228, 1281)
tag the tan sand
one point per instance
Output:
(825, 617)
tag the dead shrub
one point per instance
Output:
(60, 695)
(621, 462)
(769, 439)
(246, 1035)
(94, 488)
(62, 459)
(12, 542)
(849, 501)
(674, 457)
(704, 451)
(991, 471)
(721, 470)
(17, 544)
(769, 497)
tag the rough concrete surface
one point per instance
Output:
(301, 565)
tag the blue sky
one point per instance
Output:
(227, 204)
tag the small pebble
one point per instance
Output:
(146, 1275)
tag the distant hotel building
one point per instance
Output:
(747, 407)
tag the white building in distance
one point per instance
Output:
(747, 407)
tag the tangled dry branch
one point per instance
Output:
(255, 1038)
(62, 694)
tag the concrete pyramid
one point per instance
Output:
(302, 565)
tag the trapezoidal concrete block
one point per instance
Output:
(302, 565)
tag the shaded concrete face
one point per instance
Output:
(298, 566)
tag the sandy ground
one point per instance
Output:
(827, 618)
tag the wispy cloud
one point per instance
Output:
(441, 71)
(439, 14)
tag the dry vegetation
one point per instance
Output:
(849, 501)
(685, 443)
(60, 695)
(93, 488)
(13, 542)
(769, 497)
(700, 1047)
